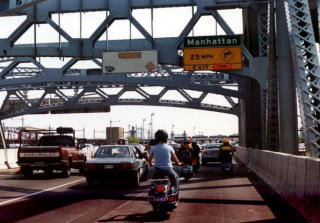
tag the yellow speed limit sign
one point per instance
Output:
(212, 58)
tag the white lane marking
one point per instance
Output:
(39, 192)
(121, 206)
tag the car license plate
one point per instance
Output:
(161, 198)
(108, 166)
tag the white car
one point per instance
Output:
(117, 163)
(88, 150)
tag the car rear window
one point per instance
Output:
(112, 152)
(56, 141)
(213, 147)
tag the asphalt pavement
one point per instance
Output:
(210, 196)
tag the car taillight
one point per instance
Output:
(171, 199)
(160, 188)
(90, 165)
(127, 166)
(152, 199)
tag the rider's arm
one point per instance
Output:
(150, 160)
(175, 159)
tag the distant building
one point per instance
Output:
(113, 134)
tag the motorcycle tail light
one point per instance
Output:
(90, 165)
(171, 199)
(160, 188)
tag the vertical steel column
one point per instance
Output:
(307, 72)
(252, 93)
(288, 126)
(263, 28)
(272, 103)
(318, 6)
(242, 124)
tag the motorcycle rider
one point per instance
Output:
(185, 153)
(225, 151)
(196, 151)
(163, 153)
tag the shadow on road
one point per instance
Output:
(143, 217)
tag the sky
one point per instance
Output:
(167, 23)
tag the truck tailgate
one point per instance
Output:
(39, 153)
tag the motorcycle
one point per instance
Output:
(163, 196)
(226, 163)
(186, 171)
(195, 165)
(227, 167)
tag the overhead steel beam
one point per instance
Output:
(100, 5)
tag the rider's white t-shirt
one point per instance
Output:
(162, 154)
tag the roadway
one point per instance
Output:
(210, 196)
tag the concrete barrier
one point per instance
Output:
(292, 160)
(267, 163)
(12, 158)
(295, 178)
(283, 185)
(312, 184)
(301, 170)
(2, 159)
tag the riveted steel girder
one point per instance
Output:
(92, 98)
(307, 72)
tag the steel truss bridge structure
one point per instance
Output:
(280, 63)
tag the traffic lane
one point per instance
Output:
(72, 203)
(209, 197)
(14, 186)
(212, 196)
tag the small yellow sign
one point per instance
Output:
(213, 58)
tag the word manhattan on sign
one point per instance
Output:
(212, 41)
(212, 53)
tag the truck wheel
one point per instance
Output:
(27, 172)
(48, 171)
(66, 170)
(90, 181)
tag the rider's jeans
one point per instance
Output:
(171, 174)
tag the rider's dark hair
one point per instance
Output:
(152, 142)
(161, 136)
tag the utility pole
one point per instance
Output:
(143, 120)
(151, 124)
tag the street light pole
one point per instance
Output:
(172, 133)
(151, 124)
(143, 120)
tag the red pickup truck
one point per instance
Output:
(53, 151)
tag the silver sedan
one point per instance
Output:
(117, 163)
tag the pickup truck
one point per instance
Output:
(53, 151)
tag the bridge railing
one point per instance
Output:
(295, 178)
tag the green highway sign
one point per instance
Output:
(212, 41)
